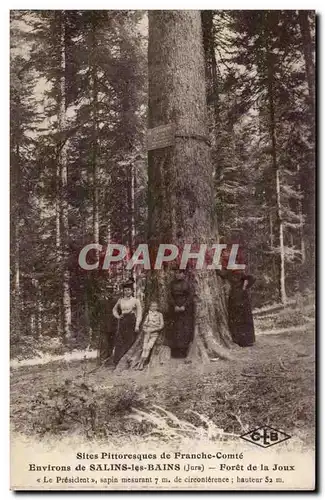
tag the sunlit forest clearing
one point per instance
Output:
(78, 398)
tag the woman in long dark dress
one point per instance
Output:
(240, 317)
(128, 312)
(180, 330)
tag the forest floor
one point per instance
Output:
(271, 383)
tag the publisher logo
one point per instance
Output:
(265, 436)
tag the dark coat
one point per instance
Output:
(180, 329)
(240, 317)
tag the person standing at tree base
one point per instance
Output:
(240, 316)
(180, 331)
(128, 312)
(152, 326)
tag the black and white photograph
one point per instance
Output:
(162, 250)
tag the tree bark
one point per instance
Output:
(181, 198)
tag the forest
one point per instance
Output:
(81, 106)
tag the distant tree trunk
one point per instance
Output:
(17, 267)
(211, 70)
(181, 197)
(89, 330)
(109, 231)
(32, 324)
(38, 308)
(275, 259)
(131, 186)
(271, 230)
(93, 175)
(308, 174)
(39, 317)
(301, 225)
(212, 90)
(16, 199)
(276, 171)
(133, 189)
(95, 201)
(86, 281)
(133, 228)
(63, 162)
(308, 57)
(94, 86)
(16, 310)
(58, 245)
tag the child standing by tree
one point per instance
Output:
(152, 326)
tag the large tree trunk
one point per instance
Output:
(181, 201)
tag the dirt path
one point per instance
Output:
(51, 358)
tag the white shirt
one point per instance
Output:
(129, 305)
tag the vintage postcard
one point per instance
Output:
(162, 250)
